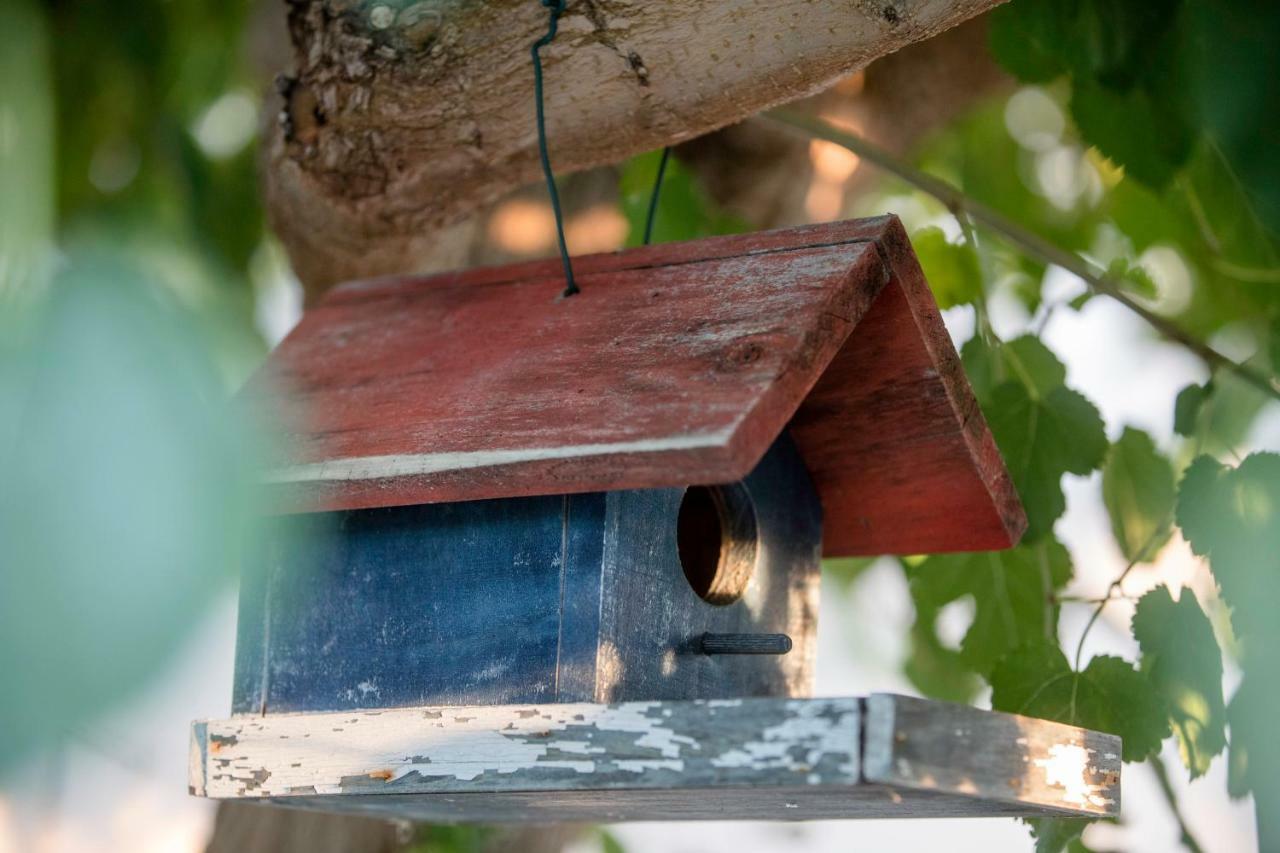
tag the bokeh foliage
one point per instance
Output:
(1144, 139)
(1139, 146)
(128, 226)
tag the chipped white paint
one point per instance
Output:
(789, 758)
(421, 464)
(807, 722)
(291, 754)
(1069, 767)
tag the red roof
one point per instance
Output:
(677, 364)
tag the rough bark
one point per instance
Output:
(401, 119)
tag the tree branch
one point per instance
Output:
(1162, 776)
(1030, 242)
(401, 118)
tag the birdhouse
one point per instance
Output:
(552, 558)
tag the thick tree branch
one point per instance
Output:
(401, 118)
(1031, 243)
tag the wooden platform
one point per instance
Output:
(677, 365)
(748, 759)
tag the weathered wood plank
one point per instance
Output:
(767, 759)
(677, 364)
(552, 747)
(936, 746)
(652, 621)
(892, 431)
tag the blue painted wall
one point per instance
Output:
(544, 599)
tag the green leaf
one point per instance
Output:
(1139, 492)
(1091, 39)
(1025, 39)
(684, 210)
(1254, 759)
(609, 842)
(1109, 695)
(1273, 345)
(1054, 835)
(1041, 439)
(26, 155)
(951, 269)
(124, 498)
(1187, 407)
(1230, 515)
(1136, 129)
(1011, 591)
(1025, 359)
(935, 670)
(846, 570)
(1181, 658)
(1136, 276)
(1233, 72)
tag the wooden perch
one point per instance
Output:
(401, 118)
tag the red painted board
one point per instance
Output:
(677, 364)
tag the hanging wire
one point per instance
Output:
(555, 7)
(653, 198)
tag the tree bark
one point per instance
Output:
(401, 118)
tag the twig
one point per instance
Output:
(1028, 241)
(1162, 776)
(1116, 585)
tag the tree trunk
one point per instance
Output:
(400, 120)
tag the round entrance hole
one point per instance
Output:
(716, 538)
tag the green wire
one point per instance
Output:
(555, 7)
(653, 199)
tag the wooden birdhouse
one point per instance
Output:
(557, 559)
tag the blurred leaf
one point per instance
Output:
(1108, 696)
(1042, 438)
(1273, 345)
(609, 843)
(1186, 408)
(1026, 39)
(1135, 129)
(1233, 69)
(1053, 835)
(951, 269)
(1137, 278)
(1011, 591)
(123, 502)
(846, 570)
(1118, 54)
(1221, 212)
(684, 211)
(1254, 759)
(1139, 492)
(454, 839)
(1230, 516)
(1181, 658)
(1110, 40)
(935, 670)
(1025, 359)
(26, 155)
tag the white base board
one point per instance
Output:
(740, 759)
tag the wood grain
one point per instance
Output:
(542, 599)
(762, 759)
(678, 364)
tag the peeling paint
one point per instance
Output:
(785, 758)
